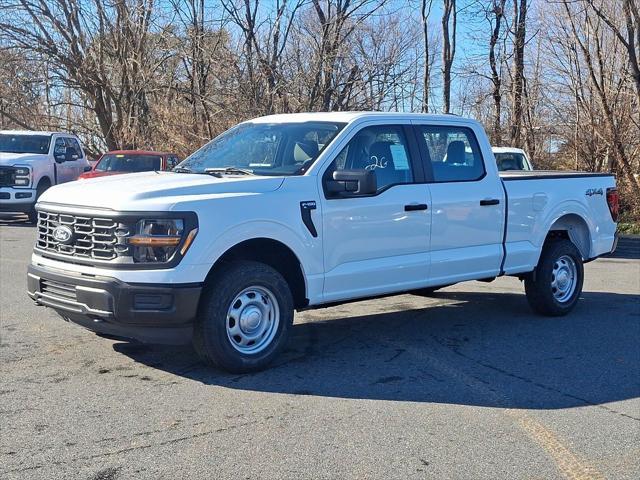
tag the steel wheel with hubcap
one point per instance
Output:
(554, 287)
(563, 278)
(252, 319)
(244, 317)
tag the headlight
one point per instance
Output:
(156, 240)
(22, 176)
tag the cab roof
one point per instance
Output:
(348, 117)
(35, 132)
(136, 152)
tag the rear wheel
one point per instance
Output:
(554, 287)
(244, 318)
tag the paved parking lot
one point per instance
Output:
(467, 384)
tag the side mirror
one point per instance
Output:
(70, 154)
(87, 168)
(346, 183)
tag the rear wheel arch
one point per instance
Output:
(574, 228)
(273, 253)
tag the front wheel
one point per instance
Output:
(555, 285)
(32, 213)
(244, 317)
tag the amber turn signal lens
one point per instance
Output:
(155, 241)
(188, 241)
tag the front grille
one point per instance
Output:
(7, 176)
(63, 291)
(99, 238)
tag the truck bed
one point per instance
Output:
(534, 207)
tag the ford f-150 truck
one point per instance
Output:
(31, 162)
(292, 212)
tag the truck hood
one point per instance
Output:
(155, 191)
(8, 159)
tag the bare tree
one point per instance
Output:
(496, 16)
(519, 40)
(449, 25)
(425, 12)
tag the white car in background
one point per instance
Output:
(509, 158)
(31, 162)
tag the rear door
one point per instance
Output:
(467, 204)
(377, 243)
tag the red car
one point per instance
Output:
(130, 161)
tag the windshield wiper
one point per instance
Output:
(217, 172)
(182, 170)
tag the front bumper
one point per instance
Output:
(16, 199)
(149, 313)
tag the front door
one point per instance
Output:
(65, 171)
(377, 243)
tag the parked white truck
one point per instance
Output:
(31, 162)
(299, 211)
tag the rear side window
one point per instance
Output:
(453, 152)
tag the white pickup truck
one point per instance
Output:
(31, 162)
(299, 211)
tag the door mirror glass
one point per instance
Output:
(352, 182)
(87, 169)
(70, 154)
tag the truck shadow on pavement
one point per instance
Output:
(481, 349)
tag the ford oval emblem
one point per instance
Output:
(62, 234)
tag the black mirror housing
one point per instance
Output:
(352, 183)
(87, 168)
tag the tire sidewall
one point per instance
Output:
(32, 213)
(213, 315)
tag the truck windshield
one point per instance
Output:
(264, 148)
(120, 162)
(24, 143)
(511, 161)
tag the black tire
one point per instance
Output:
(211, 340)
(539, 284)
(33, 214)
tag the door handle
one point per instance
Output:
(489, 201)
(415, 206)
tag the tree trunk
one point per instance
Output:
(448, 50)
(520, 21)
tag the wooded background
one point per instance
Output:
(560, 78)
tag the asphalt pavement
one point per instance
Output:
(465, 384)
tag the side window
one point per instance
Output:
(59, 147)
(453, 152)
(172, 161)
(382, 149)
(73, 143)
